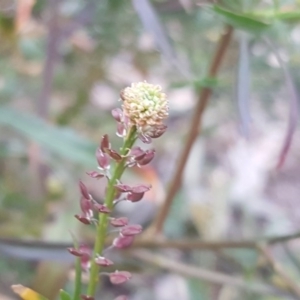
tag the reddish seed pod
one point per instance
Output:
(149, 155)
(145, 139)
(117, 114)
(75, 252)
(83, 219)
(114, 154)
(122, 242)
(121, 130)
(131, 230)
(95, 174)
(103, 159)
(102, 208)
(104, 143)
(84, 190)
(123, 188)
(86, 207)
(141, 188)
(137, 153)
(119, 222)
(104, 262)
(135, 197)
(119, 277)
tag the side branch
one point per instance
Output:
(193, 131)
(195, 272)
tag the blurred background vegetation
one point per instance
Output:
(63, 64)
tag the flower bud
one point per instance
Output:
(131, 230)
(135, 197)
(137, 153)
(86, 206)
(95, 174)
(117, 114)
(123, 188)
(103, 159)
(149, 155)
(84, 190)
(104, 144)
(114, 154)
(119, 222)
(83, 219)
(122, 242)
(104, 262)
(119, 277)
(102, 208)
(121, 130)
(121, 297)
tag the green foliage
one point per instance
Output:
(60, 141)
(241, 21)
(64, 295)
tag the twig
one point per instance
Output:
(195, 272)
(293, 287)
(19, 247)
(193, 131)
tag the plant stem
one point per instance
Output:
(205, 94)
(103, 218)
(77, 290)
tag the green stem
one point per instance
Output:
(103, 218)
(77, 290)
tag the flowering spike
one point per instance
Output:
(84, 190)
(119, 277)
(122, 242)
(105, 144)
(145, 105)
(95, 174)
(83, 219)
(103, 159)
(119, 222)
(104, 262)
(117, 114)
(131, 230)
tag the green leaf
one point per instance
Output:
(241, 21)
(60, 141)
(64, 295)
(271, 15)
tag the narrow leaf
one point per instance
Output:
(243, 84)
(26, 293)
(293, 108)
(61, 141)
(241, 21)
(64, 295)
(152, 24)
